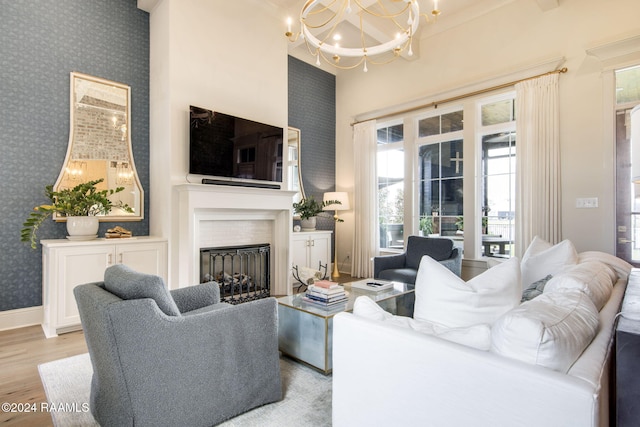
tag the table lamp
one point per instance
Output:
(342, 197)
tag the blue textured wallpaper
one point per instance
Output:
(312, 109)
(41, 42)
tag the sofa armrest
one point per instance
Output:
(378, 368)
(387, 262)
(197, 296)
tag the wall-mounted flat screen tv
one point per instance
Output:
(222, 145)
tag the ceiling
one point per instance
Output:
(453, 13)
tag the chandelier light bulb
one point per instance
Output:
(289, 21)
(348, 6)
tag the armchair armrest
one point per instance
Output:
(454, 263)
(197, 296)
(387, 262)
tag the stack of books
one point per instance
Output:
(325, 293)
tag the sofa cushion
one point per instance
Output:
(438, 248)
(551, 330)
(477, 336)
(592, 277)
(446, 299)
(535, 289)
(126, 283)
(542, 258)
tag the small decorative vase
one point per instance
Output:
(82, 227)
(308, 224)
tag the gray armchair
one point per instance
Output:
(174, 358)
(404, 267)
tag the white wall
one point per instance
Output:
(499, 43)
(228, 56)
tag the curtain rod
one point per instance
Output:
(466, 95)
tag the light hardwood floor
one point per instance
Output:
(21, 351)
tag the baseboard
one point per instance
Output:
(21, 317)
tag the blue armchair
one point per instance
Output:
(175, 358)
(404, 267)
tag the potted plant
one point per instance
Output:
(309, 208)
(426, 225)
(79, 205)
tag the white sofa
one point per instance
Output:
(385, 374)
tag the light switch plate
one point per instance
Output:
(586, 202)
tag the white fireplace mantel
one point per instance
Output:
(199, 202)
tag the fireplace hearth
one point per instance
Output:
(242, 272)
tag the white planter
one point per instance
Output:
(308, 224)
(82, 227)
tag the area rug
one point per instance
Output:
(307, 396)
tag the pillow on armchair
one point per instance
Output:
(126, 283)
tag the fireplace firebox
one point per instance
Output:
(242, 272)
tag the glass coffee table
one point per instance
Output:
(305, 329)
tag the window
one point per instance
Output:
(498, 177)
(440, 182)
(423, 176)
(390, 169)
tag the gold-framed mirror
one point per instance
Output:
(294, 169)
(100, 144)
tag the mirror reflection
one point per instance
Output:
(294, 171)
(100, 143)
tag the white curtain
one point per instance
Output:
(365, 206)
(538, 198)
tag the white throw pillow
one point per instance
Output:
(594, 278)
(542, 258)
(551, 330)
(476, 336)
(444, 298)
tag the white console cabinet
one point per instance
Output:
(311, 248)
(67, 264)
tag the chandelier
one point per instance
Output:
(384, 30)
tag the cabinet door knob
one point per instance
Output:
(120, 258)
(110, 259)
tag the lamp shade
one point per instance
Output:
(341, 196)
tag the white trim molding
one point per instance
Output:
(547, 4)
(21, 317)
(617, 53)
